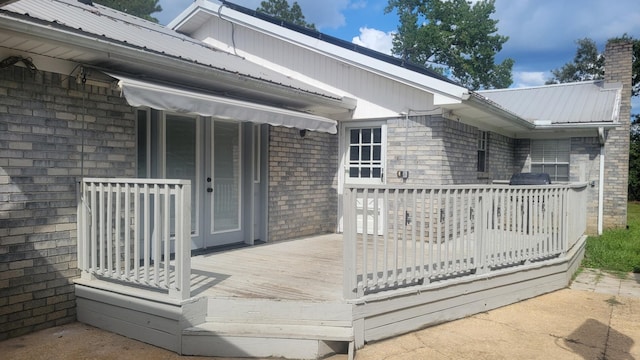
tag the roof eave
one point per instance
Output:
(478, 101)
(449, 92)
(127, 53)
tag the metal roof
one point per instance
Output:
(580, 102)
(114, 27)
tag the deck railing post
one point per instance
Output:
(80, 226)
(182, 286)
(479, 230)
(349, 244)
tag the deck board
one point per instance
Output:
(308, 269)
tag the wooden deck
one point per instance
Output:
(308, 269)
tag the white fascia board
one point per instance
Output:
(449, 93)
(186, 15)
(564, 126)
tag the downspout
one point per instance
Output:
(602, 138)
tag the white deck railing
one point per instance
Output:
(404, 236)
(130, 229)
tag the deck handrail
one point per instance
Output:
(136, 231)
(402, 236)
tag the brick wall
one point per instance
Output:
(618, 68)
(439, 151)
(585, 166)
(501, 157)
(303, 183)
(40, 162)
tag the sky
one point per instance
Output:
(542, 33)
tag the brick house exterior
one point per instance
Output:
(53, 132)
(41, 136)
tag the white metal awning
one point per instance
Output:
(162, 97)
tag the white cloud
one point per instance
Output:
(375, 39)
(529, 78)
(358, 4)
(547, 25)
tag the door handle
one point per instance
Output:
(209, 190)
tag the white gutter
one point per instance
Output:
(592, 125)
(601, 137)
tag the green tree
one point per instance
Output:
(455, 33)
(281, 10)
(139, 8)
(588, 64)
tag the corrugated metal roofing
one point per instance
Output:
(581, 102)
(132, 31)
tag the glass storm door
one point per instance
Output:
(223, 196)
(209, 152)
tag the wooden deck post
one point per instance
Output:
(183, 245)
(349, 244)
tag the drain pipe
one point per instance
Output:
(602, 138)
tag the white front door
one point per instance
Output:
(226, 194)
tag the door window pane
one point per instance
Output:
(181, 155)
(142, 144)
(226, 176)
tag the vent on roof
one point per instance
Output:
(86, 2)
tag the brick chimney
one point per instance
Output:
(618, 69)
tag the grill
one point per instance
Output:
(530, 179)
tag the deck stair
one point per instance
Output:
(271, 328)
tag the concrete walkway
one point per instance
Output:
(597, 318)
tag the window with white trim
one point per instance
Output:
(482, 151)
(551, 157)
(365, 154)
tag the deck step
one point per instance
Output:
(265, 311)
(265, 340)
(332, 333)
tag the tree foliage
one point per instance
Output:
(587, 64)
(139, 8)
(281, 9)
(454, 33)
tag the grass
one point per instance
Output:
(617, 250)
